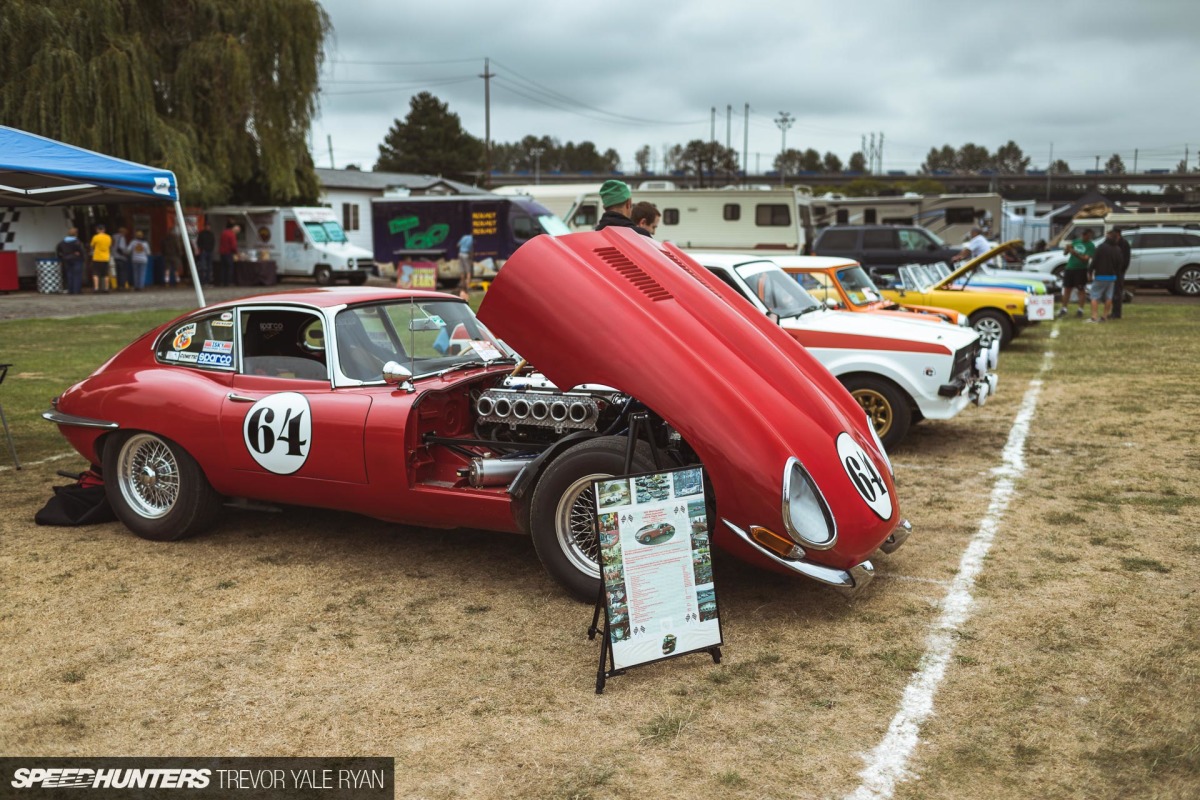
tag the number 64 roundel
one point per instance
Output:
(277, 432)
(864, 476)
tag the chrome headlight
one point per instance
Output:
(994, 353)
(806, 515)
(962, 321)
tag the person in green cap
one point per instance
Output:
(618, 207)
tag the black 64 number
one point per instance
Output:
(865, 478)
(263, 438)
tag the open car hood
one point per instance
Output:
(973, 264)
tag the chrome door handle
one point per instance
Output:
(237, 398)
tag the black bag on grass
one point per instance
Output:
(79, 503)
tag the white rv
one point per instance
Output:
(729, 220)
(950, 216)
(306, 242)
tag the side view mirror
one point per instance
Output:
(394, 374)
(831, 302)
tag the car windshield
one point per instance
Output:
(916, 278)
(778, 292)
(552, 225)
(324, 232)
(858, 285)
(426, 336)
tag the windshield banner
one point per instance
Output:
(656, 562)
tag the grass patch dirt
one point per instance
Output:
(313, 632)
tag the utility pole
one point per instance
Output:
(329, 141)
(746, 143)
(712, 132)
(1135, 155)
(487, 123)
(1049, 171)
(536, 152)
(880, 154)
(784, 121)
(1097, 163)
(728, 130)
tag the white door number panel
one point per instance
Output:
(864, 476)
(278, 432)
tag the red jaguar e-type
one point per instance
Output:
(403, 406)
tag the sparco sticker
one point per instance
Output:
(864, 476)
(278, 432)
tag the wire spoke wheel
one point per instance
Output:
(576, 525)
(148, 476)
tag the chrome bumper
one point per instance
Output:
(854, 578)
(899, 536)
(59, 418)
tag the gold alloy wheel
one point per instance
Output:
(878, 409)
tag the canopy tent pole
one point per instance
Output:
(187, 251)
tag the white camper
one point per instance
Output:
(950, 216)
(305, 242)
(723, 220)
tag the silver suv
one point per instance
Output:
(1165, 257)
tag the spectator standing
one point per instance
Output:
(645, 215)
(172, 253)
(976, 246)
(466, 264)
(71, 255)
(139, 257)
(1104, 267)
(206, 242)
(1075, 276)
(120, 248)
(618, 207)
(101, 255)
(227, 249)
(1119, 289)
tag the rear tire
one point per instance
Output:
(156, 488)
(885, 405)
(562, 512)
(991, 324)
(1187, 281)
(323, 275)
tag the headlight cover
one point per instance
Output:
(806, 515)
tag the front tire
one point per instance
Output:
(1187, 281)
(357, 278)
(156, 488)
(885, 405)
(991, 324)
(563, 510)
(323, 275)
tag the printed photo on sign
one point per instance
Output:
(656, 565)
(278, 432)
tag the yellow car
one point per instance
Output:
(995, 313)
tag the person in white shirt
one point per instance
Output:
(977, 246)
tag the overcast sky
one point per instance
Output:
(1091, 78)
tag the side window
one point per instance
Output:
(837, 240)
(732, 212)
(960, 216)
(283, 343)
(350, 216)
(727, 279)
(879, 240)
(670, 216)
(774, 215)
(1158, 240)
(291, 232)
(1191, 240)
(585, 216)
(843, 216)
(205, 342)
(1134, 240)
(869, 216)
(523, 227)
(914, 241)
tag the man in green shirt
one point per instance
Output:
(1075, 276)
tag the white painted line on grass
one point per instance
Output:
(24, 464)
(887, 764)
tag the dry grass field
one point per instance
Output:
(1077, 674)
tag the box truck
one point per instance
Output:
(427, 229)
(307, 242)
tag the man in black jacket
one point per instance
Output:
(1119, 289)
(618, 207)
(1105, 265)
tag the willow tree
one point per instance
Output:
(222, 92)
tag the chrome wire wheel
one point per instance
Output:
(879, 409)
(989, 330)
(575, 523)
(148, 476)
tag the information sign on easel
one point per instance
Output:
(657, 591)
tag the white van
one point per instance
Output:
(301, 241)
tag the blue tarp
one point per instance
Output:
(36, 171)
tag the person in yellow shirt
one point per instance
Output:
(101, 253)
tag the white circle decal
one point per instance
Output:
(278, 431)
(864, 476)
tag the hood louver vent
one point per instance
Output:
(633, 273)
(689, 271)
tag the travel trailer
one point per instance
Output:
(950, 216)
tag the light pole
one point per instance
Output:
(784, 121)
(536, 152)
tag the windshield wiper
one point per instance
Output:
(477, 362)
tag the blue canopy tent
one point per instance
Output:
(36, 171)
